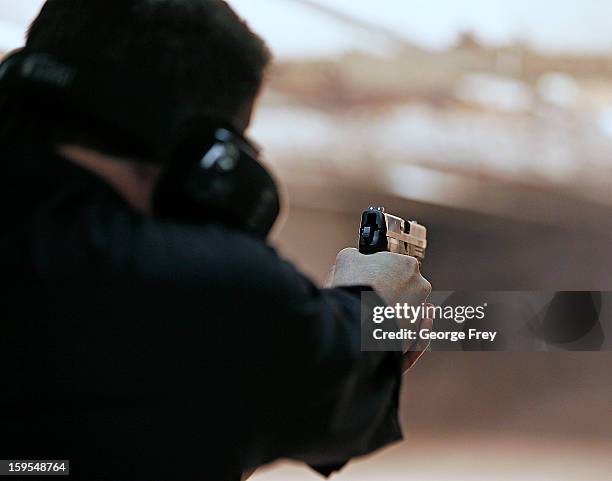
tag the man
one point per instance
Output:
(142, 348)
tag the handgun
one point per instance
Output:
(380, 232)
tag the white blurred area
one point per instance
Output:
(513, 98)
(491, 122)
(485, 106)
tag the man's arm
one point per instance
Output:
(283, 356)
(346, 401)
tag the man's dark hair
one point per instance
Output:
(198, 48)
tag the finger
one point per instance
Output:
(419, 348)
(247, 474)
(423, 324)
(421, 345)
(412, 357)
(329, 281)
(426, 286)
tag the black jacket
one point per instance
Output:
(162, 351)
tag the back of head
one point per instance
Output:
(199, 52)
(197, 47)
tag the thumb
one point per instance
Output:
(329, 282)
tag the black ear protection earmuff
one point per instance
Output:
(210, 171)
(219, 180)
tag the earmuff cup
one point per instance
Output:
(219, 178)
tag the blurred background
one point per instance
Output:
(490, 122)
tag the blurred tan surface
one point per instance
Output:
(500, 416)
(494, 416)
(469, 458)
(505, 154)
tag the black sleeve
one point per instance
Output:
(363, 406)
(271, 365)
(323, 401)
(308, 391)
